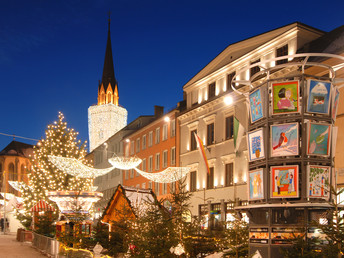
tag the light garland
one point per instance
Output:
(125, 163)
(74, 167)
(169, 175)
(74, 201)
(19, 186)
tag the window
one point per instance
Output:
(132, 148)
(164, 158)
(173, 155)
(132, 173)
(229, 127)
(150, 139)
(164, 189)
(254, 69)
(126, 174)
(144, 142)
(157, 135)
(150, 163)
(173, 187)
(144, 185)
(282, 51)
(210, 134)
(164, 132)
(156, 186)
(173, 128)
(210, 178)
(229, 174)
(211, 90)
(193, 145)
(144, 165)
(137, 145)
(193, 182)
(229, 81)
(157, 161)
(150, 185)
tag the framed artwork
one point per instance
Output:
(284, 139)
(256, 184)
(318, 181)
(285, 97)
(319, 93)
(319, 138)
(284, 181)
(256, 106)
(335, 101)
(256, 145)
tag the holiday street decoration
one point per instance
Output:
(19, 186)
(125, 163)
(59, 141)
(72, 202)
(75, 167)
(169, 175)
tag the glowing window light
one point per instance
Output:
(169, 175)
(75, 168)
(125, 163)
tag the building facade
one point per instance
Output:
(212, 106)
(155, 145)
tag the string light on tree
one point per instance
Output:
(59, 141)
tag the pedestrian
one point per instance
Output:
(2, 224)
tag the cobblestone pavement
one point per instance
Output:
(11, 248)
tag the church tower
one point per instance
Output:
(107, 117)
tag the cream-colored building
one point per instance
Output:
(211, 106)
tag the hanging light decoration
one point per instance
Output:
(74, 167)
(169, 175)
(125, 163)
(18, 186)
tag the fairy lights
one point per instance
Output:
(74, 201)
(74, 167)
(18, 186)
(169, 175)
(125, 163)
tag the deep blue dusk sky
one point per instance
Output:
(52, 52)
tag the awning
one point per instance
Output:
(42, 205)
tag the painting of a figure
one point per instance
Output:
(256, 145)
(319, 138)
(318, 181)
(256, 106)
(284, 140)
(256, 184)
(285, 96)
(284, 181)
(319, 93)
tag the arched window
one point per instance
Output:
(10, 171)
(102, 98)
(22, 172)
(109, 98)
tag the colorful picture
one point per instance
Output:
(318, 181)
(256, 184)
(285, 97)
(319, 138)
(335, 101)
(256, 145)
(284, 181)
(256, 106)
(284, 140)
(319, 93)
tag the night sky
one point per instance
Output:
(52, 51)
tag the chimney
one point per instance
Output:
(158, 111)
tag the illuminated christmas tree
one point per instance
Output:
(59, 141)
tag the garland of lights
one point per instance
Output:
(74, 167)
(169, 175)
(19, 186)
(125, 163)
